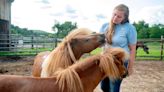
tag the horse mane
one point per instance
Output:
(76, 32)
(62, 56)
(119, 53)
(107, 61)
(69, 77)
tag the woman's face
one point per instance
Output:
(118, 16)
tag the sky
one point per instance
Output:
(43, 14)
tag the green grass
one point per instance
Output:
(96, 51)
(24, 52)
(154, 52)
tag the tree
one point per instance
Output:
(143, 33)
(155, 32)
(27, 32)
(142, 29)
(140, 25)
(63, 29)
(162, 30)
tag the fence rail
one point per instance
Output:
(17, 45)
(155, 49)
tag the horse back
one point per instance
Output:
(37, 66)
(13, 83)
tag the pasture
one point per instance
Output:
(154, 52)
(147, 76)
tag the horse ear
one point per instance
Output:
(120, 56)
(119, 53)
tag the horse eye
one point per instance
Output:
(86, 40)
(93, 32)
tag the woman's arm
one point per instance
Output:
(132, 58)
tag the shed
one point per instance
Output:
(5, 21)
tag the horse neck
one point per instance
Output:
(90, 72)
(93, 77)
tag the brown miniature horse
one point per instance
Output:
(74, 45)
(75, 78)
(142, 45)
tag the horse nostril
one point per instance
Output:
(102, 35)
(102, 38)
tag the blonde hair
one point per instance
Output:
(110, 31)
(69, 78)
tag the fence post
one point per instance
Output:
(56, 42)
(161, 47)
(44, 43)
(32, 40)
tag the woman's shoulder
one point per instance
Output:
(105, 24)
(130, 25)
(104, 27)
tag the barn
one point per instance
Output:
(5, 21)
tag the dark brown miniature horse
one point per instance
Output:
(141, 44)
(83, 76)
(73, 46)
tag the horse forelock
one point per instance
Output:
(70, 79)
(108, 66)
(109, 56)
(119, 53)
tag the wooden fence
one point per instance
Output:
(155, 49)
(17, 45)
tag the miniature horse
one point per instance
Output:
(75, 78)
(74, 45)
(142, 45)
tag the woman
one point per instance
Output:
(119, 33)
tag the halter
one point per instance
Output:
(71, 53)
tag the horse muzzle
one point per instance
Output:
(125, 74)
(102, 38)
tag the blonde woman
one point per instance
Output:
(119, 33)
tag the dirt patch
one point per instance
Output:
(148, 76)
(16, 65)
